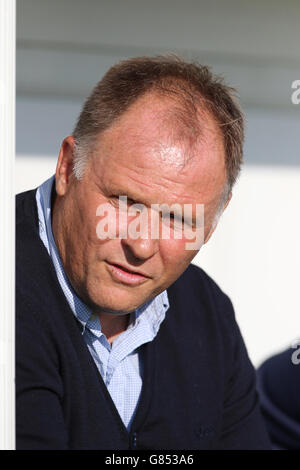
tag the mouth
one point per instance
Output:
(125, 275)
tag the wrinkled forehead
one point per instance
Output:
(154, 167)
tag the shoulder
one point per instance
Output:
(198, 289)
(278, 381)
(198, 281)
(202, 312)
(282, 365)
(35, 277)
(25, 205)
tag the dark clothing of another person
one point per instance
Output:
(278, 381)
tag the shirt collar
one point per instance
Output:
(153, 310)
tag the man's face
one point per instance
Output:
(136, 158)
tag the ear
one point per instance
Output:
(214, 225)
(64, 167)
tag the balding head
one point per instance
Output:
(192, 89)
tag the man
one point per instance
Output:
(121, 343)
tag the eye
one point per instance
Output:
(172, 219)
(171, 216)
(114, 199)
(138, 208)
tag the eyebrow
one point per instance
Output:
(117, 192)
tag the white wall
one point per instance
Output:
(7, 239)
(64, 47)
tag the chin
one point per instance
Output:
(101, 294)
(119, 303)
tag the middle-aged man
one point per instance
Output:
(121, 342)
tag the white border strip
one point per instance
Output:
(7, 238)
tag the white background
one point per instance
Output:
(7, 240)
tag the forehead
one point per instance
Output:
(143, 148)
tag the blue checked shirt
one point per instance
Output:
(119, 365)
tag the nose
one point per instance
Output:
(139, 248)
(145, 245)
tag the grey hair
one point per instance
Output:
(81, 151)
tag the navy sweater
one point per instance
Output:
(199, 384)
(279, 389)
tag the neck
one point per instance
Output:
(113, 325)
